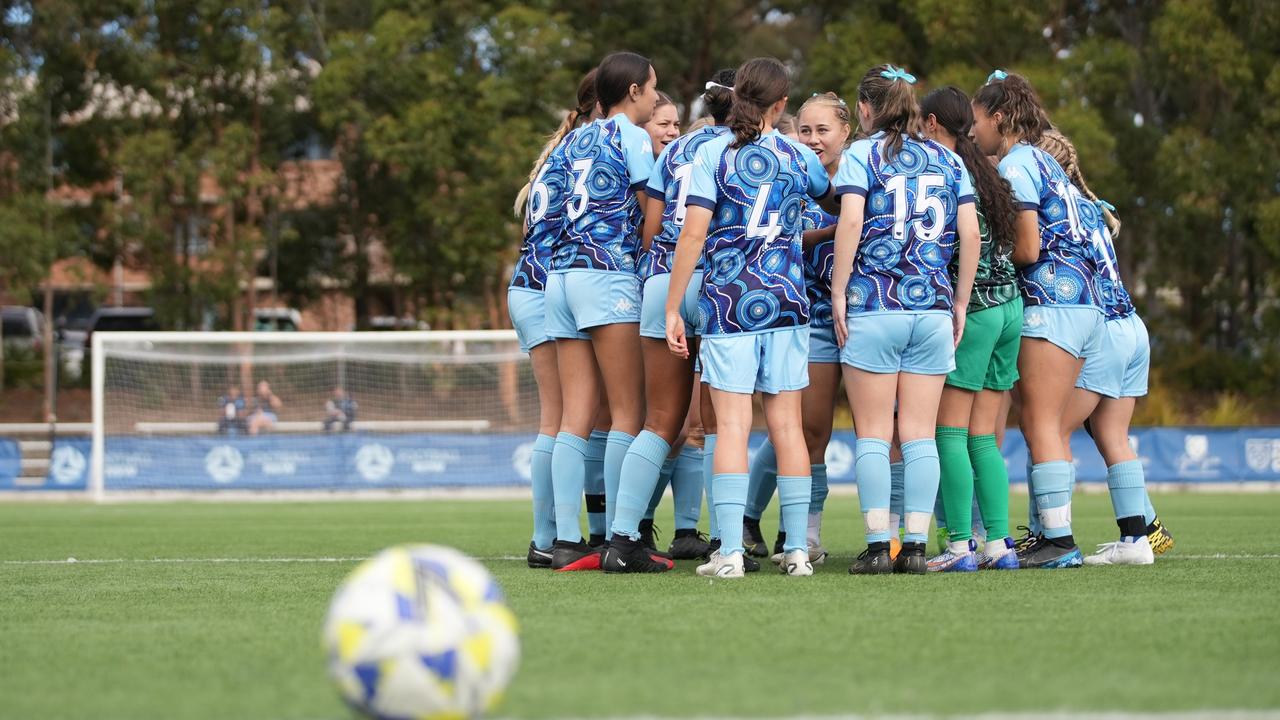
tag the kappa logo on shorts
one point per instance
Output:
(623, 305)
(1034, 319)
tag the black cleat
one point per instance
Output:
(1159, 536)
(566, 555)
(689, 544)
(779, 543)
(624, 555)
(597, 541)
(911, 559)
(1048, 554)
(749, 564)
(715, 544)
(649, 538)
(538, 558)
(1024, 543)
(753, 539)
(873, 561)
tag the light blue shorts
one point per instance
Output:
(822, 345)
(653, 308)
(771, 361)
(528, 316)
(1074, 328)
(578, 300)
(1120, 367)
(900, 341)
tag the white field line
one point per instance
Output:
(492, 558)
(1039, 715)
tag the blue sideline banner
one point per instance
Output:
(350, 461)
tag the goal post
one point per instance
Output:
(204, 413)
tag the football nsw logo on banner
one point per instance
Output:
(224, 464)
(374, 462)
(67, 465)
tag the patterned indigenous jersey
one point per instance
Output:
(1116, 302)
(909, 225)
(1066, 272)
(670, 182)
(605, 164)
(995, 282)
(754, 278)
(544, 215)
(818, 263)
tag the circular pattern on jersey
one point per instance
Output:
(878, 202)
(772, 260)
(911, 159)
(1055, 209)
(915, 292)
(791, 211)
(929, 254)
(755, 165)
(727, 214)
(757, 309)
(882, 253)
(603, 181)
(860, 290)
(584, 144)
(1068, 285)
(1090, 216)
(820, 313)
(1107, 290)
(726, 266)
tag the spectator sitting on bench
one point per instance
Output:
(231, 418)
(265, 406)
(339, 409)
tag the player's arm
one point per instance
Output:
(653, 207)
(848, 235)
(1026, 244)
(817, 237)
(693, 236)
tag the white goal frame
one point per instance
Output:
(97, 461)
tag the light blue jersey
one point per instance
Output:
(819, 260)
(1067, 271)
(909, 224)
(606, 163)
(1116, 303)
(670, 182)
(544, 213)
(754, 278)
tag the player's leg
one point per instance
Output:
(728, 487)
(1126, 483)
(817, 407)
(956, 485)
(598, 512)
(871, 397)
(580, 390)
(783, 416)
(918, 397)
(547, 377)
(688, 543)
(991, 479)
(762, 481)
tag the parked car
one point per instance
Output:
(276, 320)
(119, 319)
(22, 328)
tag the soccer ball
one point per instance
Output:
(421, 631)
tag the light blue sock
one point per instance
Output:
(763, 474)
(920, 486)
(1033, 508)
(875, 486)
(1127, 485)
(686, 487)
(1150, 514)
(818, 494)
(615, 452)
(660, 489)
(731, 500)
(794, 492)
(895, 491)
(568, 472)
(708, 474)
(544, 503)
(1052, 481)
(639, 471)
(596, 507)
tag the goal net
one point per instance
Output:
(210, 412)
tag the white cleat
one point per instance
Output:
(1122, 552)
(722, 566)
(796, 564)
(817, 554)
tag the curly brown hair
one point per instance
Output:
(1021, 113)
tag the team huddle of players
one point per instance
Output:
(930, 252)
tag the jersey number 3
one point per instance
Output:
(578, 203)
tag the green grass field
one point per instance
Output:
(214, 611)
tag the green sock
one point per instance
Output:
(957, 481)
(992, 483)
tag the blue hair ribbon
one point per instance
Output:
(1104, 205)
(995, 75)
(896, 73)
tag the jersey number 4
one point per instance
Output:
(772, 227)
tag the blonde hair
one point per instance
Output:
(1061, 149)
(573, 118)
(838, 107)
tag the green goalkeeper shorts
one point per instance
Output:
(987, 358)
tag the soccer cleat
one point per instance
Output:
(1026, 541)
(1123, 552)
(1159, 537)
(722, 566)
(715, 544)
(538, 558)
(779, 543)
(568, 556)
(1007, 561)
(950, 561)
(873, 561)
(689, 545)
(911, 560)
(649, 538)
(817, 554)
(753, 539)
(597, 541)
(796, 564)
(625, 555)
(749, 564)
(1048, 555)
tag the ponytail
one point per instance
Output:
(581, 113)
(1022, 114)
(718, 97)
(890, 93)
(759, 84)
(1062, 150)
